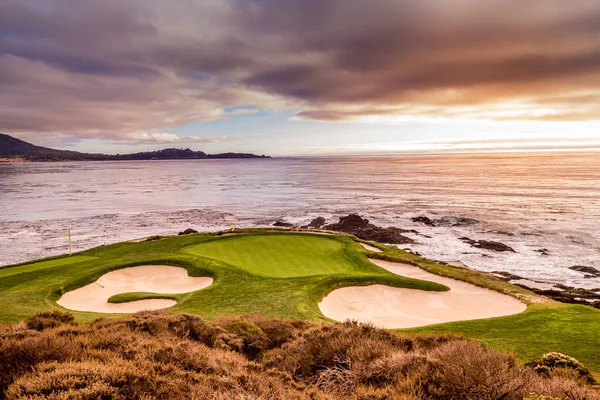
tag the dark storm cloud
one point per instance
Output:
(111, 68)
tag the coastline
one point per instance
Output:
(551, 227)
(14, 160)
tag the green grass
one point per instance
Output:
(567, 328)
(16, 270)
(286, 279)
(279, 256)
(285, 275)
(128, 297)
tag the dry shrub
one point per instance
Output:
(340, 346)
(120, 379)
(49, 319)
(246, 338)
(253, 335)
(469, 370)
(552, 363)
(563, 388)
(330, 346)
(177, 356)
(391, 369)
(199, 358)
(20, 355)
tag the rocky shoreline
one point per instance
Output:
(555, 291)
(360, 227)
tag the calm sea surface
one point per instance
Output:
(530, 202)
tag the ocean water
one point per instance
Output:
(531, 202)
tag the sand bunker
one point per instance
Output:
(371, 248)
(161, 279)
(389, 307)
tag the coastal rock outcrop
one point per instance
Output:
(544, 251)
(363, 229)
(282, 224)
(317, 222)
(559, 292)
(487, 245)
(590, 272)
(423, 220)
(444, 221)
(188, 231)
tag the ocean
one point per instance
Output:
(545, 206)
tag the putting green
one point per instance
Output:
(278, 256)
(285, 275)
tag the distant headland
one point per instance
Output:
(16, 150)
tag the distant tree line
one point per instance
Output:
(11, 147)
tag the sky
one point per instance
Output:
(301, 77)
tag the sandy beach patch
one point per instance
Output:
(162, 279)
(371, 248)
(390, 307)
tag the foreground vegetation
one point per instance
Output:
(179, 356)
(285, 275)
(566, 328)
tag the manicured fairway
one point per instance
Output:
(281, 275)
(279, 256)
(5, 272)
(285, 275)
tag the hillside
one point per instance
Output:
(13, 148)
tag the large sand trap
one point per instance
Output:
(390, 307)
(371, 248)
(161, 279)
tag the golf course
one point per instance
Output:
(295, 275)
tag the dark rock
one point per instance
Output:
(153, 238)
(504, 233)
(589, 271)
(544, 252)
(455, 221)
(317, 222)
(444, 221)
(282, 224)
(507, 276)
(424, 220)
(361, 227)
(571, 295)
(188, 231)
(487, 244)
(350, 223)
(562, 293)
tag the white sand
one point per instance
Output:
(161, 279)
(389, 307)
(371, 248)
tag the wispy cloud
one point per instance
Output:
(461, 146)
(172, 138)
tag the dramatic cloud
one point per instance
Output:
(110, 68)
